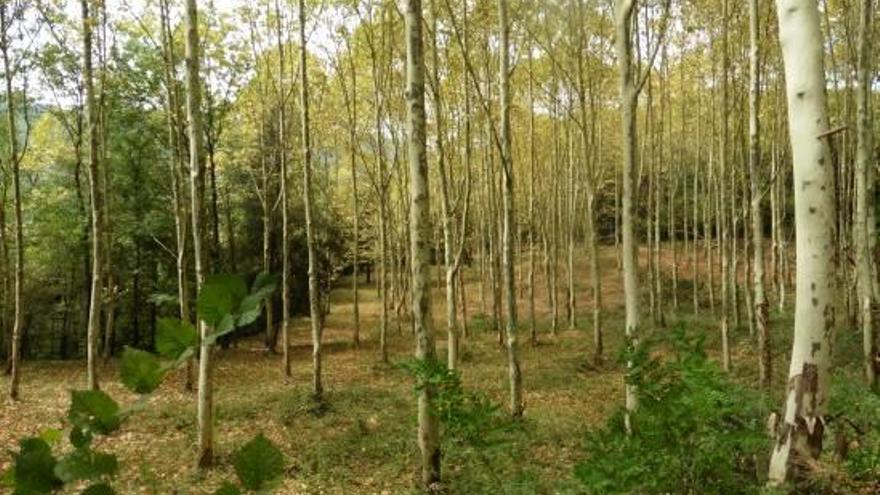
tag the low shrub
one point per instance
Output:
(696, 431)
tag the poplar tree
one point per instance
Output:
(799, 432)
(13, 158)
(97, 194)
(205, 454)
(420, 242)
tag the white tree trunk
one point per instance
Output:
(420, 240)
(315, 316)
(514, 372)
(628, 99)
(15, 161)
(799, 436)
(285, 224)
(194, 114)
(95, 191)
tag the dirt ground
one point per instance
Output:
(364, 441)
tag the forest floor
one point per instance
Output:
(363, 440)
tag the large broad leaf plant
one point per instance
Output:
(224, 304)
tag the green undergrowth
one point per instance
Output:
(696, 430)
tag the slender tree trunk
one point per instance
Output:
(210, 149)
(590, 144)
(595, 278)
(383, 266)
(799, 434)
(756, 181)
(571, 202)
(314, 308)
(4, 275)
(629, 99)
(515, 375)
(230, 231)
(285, 221)
(110, 291)
(533, 330)
(618, 251)
(553, 212)
(381, 186)
(266, 217)
(446, 210)
(178, 191)
(710, 228)
(94, 324)
(657, 163)
(196, 136)
(492, 227)
(420, 234)
(722, 212)
(862, 234)
(695, 223)
(14, 161)
(351, 99)
(464, 307)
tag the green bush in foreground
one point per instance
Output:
(696, 431)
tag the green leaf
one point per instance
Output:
(99, 489)
(174, 337)
(51, 435)
(93, 410)
(140, 371)
(264, 285)
(7, 479)
(228, 489)
(226, 325)
(85, 464)
(258, 463)
(219, 297)
(250, 309)
(106, 463)
(34, 467)
(79, 438)
(252, 305)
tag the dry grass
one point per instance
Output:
(364, 442)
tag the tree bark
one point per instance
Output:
(351, 99)
(420, 241)
(799, 435)
(629, 92)
(285, 222)
(755, 183)
(94, 324)
(533, 330)
(196, 136)
(514, 372)
(722, 212)
(14, 162)
(178, 191)
(315, 314)
(862, 231)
